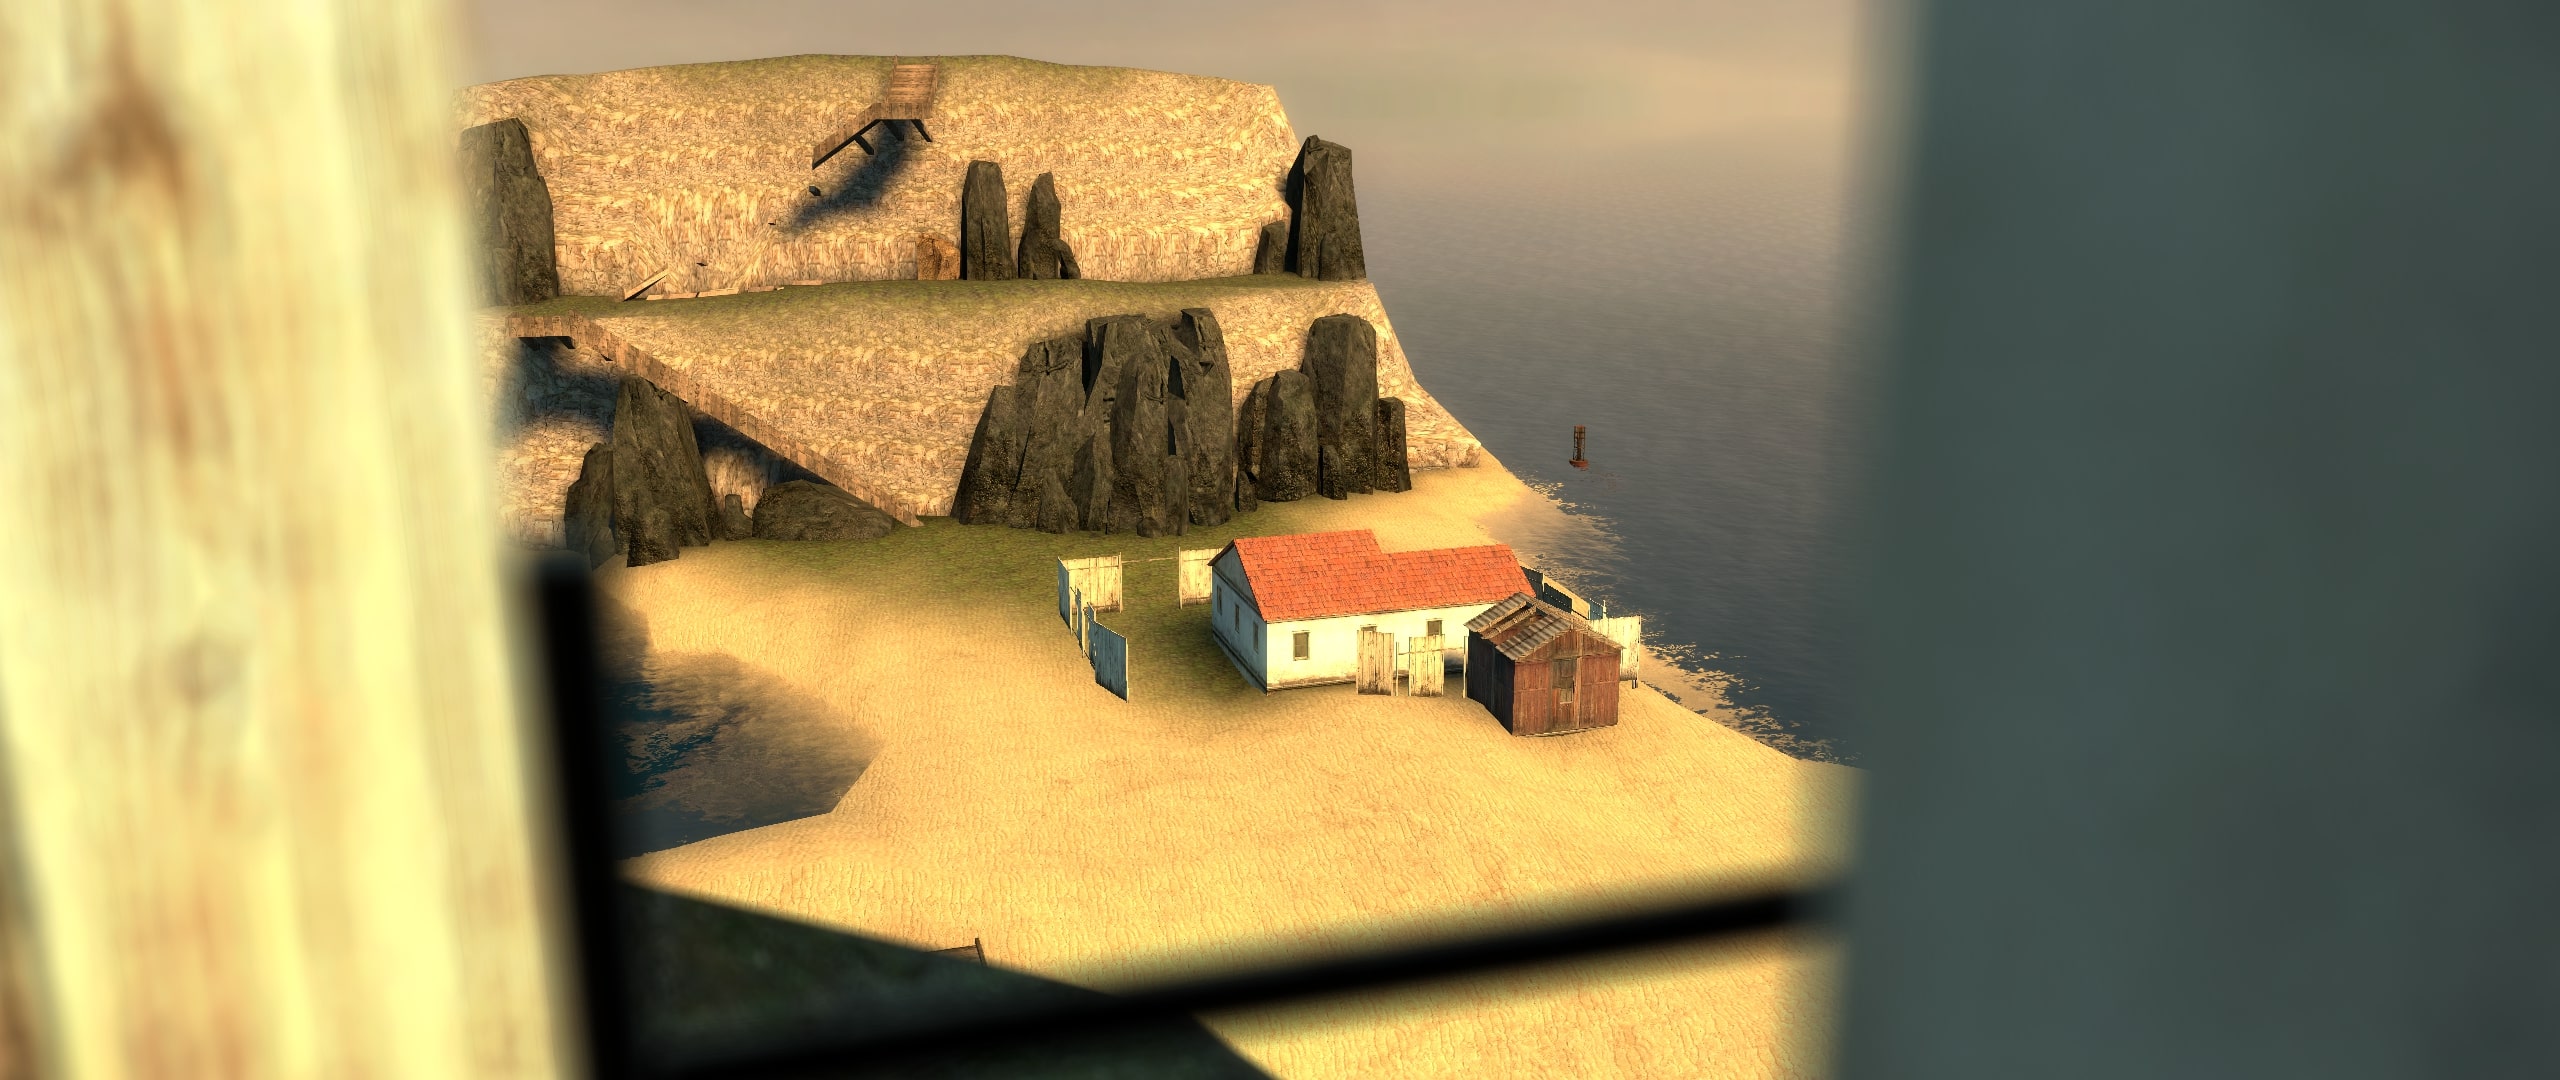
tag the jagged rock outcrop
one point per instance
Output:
(734, 523)
(806, 510)
(1206, 386)
(1054, 512)
(1324, 216)
(1395, 472)
(1048, 391)
(994, 466)
(1249, 420)
(1044, 255)
(511, 211)
(1342, 363)
(588, 518)
(1089, 484)
(1131, 429)
(661, 497)
(986, 229)
(1142, 425)
(1271, 253)
(1286, 452)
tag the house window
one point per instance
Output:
(1431, 629)
(1298, 645)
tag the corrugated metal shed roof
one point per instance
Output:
(1521, 624)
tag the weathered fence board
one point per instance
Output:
(1426, 673)
(1192, 582)
(1377, 672)
(1628, 632)
(1099, 577)
(1110, 656)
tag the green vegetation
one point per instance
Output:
(1015, 571)
(936, 300)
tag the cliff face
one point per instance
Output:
(705, 168)
(1118, 192)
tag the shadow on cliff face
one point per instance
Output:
(864, 185)
(712, 746)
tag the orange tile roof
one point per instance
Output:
(1322, 575)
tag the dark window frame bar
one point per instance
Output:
(565, 608)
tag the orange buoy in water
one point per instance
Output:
(1577, 461)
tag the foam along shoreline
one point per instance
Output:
(1202, 823)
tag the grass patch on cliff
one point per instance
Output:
(952, 300)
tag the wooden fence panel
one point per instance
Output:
(1098, 576)
(1426, 673)
(1192, 584)
(1377, 673)
(1628, 632)
(1110, 656)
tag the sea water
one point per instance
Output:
(1685, 304)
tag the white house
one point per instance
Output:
(1289, 609)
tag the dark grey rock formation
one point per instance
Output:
(1207, 390)
(734, 523)
(1342, 362)
(806, 510)
(994, 467)
(1048, 389)
(1110, 344)
(1286, 453)
(1271, 253)
(1394, 472)
(657, 467)
(1054, 512)
(1089, 483)
(1249, 420)
(1329, 463)
(1324, 217)
(1044, 255)
(1089, 432)
(1177, 486)
(589, 515)
(986, 241)
(511, 211)
(652, 537)
(1141, 434)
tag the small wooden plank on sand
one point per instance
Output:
(653, 279)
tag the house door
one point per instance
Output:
(1565, 670)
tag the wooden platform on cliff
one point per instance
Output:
(909, 98)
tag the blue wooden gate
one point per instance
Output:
(1066, 603)
(1110, 656)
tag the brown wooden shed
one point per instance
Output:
(1541, 670)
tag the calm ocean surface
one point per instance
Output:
(1684, 303)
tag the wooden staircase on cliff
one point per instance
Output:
(909, 98)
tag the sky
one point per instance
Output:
(1453, 75)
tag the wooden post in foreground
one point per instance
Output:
(262, 780)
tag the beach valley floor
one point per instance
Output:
(1000, 795)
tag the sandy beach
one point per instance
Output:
(1203, 824)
